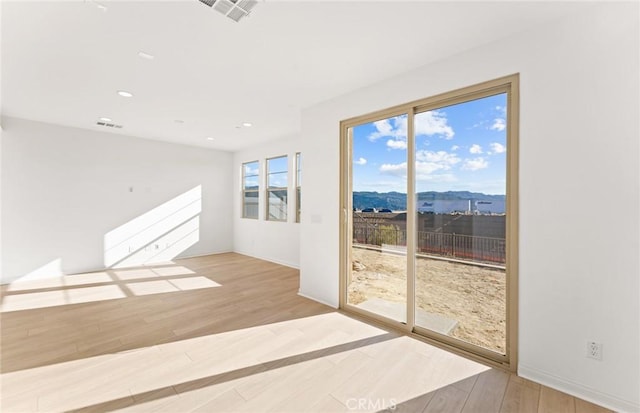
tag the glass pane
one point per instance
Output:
(250, 175)
(251, 169)
(377, 281)
(277, 208)
(298, 201)
(277, 164)
(299, 169)
(250, 206)
(251, 182)
(298, 185)
(277, 180)
(461, 221)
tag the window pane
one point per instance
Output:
(250, 175)
(277, 209)
(377, 277)
(278, 180)
(461, 221)
(298, 198)
(299, 170)
(251, 182)
(250, 209)
(277, 164)
(298, 184)
(251, 169)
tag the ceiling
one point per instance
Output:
(64, 61)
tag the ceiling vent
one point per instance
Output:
(233, 9)
(109, 125)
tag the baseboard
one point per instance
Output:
(316, 300)
(578, 390)
(279, 262)
(203, 255)
(87, 270)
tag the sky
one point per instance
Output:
(276, 170)
(458, 148)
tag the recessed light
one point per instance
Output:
(106, 119)
(125, 94)
(247, 124)
(145, 55)
(211, 139)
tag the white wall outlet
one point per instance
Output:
(594, 350)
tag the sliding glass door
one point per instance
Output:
(429, 218)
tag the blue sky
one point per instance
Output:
(458, 148)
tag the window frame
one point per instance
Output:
(269, 189)
(245, 191)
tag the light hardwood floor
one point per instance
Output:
(228, 333)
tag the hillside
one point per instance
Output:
(397, 201)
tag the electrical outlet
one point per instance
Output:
(594, 350)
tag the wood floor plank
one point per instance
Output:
(583, 406)
(488, 392)
(553, 401)
(228, 332)
(520, 398)
(448, 399)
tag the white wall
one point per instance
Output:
(67, 195)
(579, 267)
(268, 240)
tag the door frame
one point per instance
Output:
(507, 84)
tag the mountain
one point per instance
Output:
(453, 200)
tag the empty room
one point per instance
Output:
(320, 206)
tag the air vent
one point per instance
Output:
(236, 14)
(223, 6)
(247, 5)
(233, 9)
(109, 125)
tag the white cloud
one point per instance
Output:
(397, 144)
(475, 148)
(248, 170)
(427, 164)
(475, 164)
(393, 128)
(499, 124)
(441, 157)
(360, 161)
(497, 147)
(432, 123)
(399, 169)
(438, 178)
(455, 147)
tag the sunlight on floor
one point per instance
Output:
(51, 292)
(295, 365)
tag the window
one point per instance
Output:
(277, 188)
(298, 184)
(250, 189)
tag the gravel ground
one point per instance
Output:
(472, 295)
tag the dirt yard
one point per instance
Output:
(472, 295)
